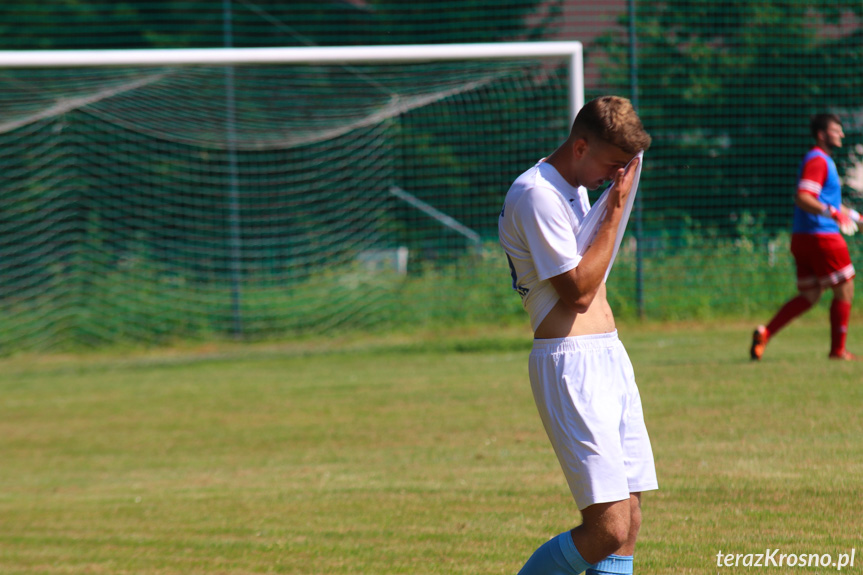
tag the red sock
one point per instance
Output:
(840, 313)
(789, 311)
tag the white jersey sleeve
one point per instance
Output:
(547, 225)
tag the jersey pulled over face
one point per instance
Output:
(597, 162)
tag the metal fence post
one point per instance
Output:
(233, 186)
(639, 247)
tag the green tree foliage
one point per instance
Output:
(138, 24)
(69, 24)
(727, 89)
(83, 24)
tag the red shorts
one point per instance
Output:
(822, 260)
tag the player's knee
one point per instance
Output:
(844, 291)
(635, 522)
(812, 296)
(614, 534)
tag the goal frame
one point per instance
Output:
(311, 55)
(570, 52)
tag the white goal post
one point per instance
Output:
(311, 55)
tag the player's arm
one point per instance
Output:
(578, 286)
(810, 203)
(809, 186)
(844, 216)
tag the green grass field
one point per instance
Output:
(414, 454)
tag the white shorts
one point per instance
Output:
(586, 395)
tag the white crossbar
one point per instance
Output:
(302, 55)
(308, 55)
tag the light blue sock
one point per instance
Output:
(556, 556)
(612, 565)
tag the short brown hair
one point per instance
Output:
(613, 120)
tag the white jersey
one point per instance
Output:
(546, 226)
(537, 228)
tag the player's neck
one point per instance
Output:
(824, 147)
(561, 160)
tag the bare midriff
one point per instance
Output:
(563, 321)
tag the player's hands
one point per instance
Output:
(846, 225)
(623, 184)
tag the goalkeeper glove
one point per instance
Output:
(847, 225)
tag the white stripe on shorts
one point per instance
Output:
(585, 392)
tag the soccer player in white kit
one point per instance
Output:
(580, 374)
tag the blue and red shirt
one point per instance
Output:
(817, 176)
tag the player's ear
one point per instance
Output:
(579, 148)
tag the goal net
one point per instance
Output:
(151, 196)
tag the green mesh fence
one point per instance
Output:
(133, 210)
(144, 205)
